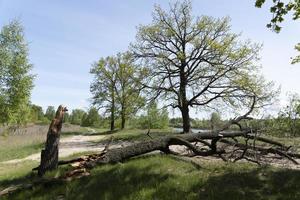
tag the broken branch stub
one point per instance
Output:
(49, 155)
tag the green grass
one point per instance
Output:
(15, 146)
(148, 177)
(16, 172)
(11, 153)
(134, 134)
(20, 146)
(83, 131)
(165, 177)
(292, 141)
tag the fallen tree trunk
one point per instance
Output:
(49, 155)
(162, 144)
(264, 150)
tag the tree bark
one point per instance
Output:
(183, 101)
(123, 118)
(112, 111)
(49, 155)
(123, 122)
(162, 144)
(186, 119)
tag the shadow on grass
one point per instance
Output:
(261, 183)
(149, 178)
(111, 183)
(31, 176)
(15, 181)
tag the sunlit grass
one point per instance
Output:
(135, 134)
(166, 177)
(21, 172)
(14, 171)
(19, 146)
(30, 140)
(154, 177)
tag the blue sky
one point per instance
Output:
(65, 37)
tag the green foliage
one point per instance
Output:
(175, 122)
(16, 82)
(286, 124)
(77, 116)
(37, 113)
(201, 123)
(66, 118)
(279, 10)
(155, 118)
(198, 62)
(215, 121)
(115, 87)
(103, 86)
(289, 116)
(297, 58)
(92, 118)
(127, 87)
(50, 113)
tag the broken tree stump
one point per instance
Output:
(49, 155)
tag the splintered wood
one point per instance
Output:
(49, 155)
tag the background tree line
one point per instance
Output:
(150, 117)
(286, 123)
(178, 60)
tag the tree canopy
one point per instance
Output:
(16, 80)
(115, 87)
(196, 61)
(91, 118)
(50, 113)
(76, 116)
(103, 86)
(155, 118)
(280, 9)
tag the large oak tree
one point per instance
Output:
(196, 61)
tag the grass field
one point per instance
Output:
(29, 140)
(135, 134)
(151, 177)
(166, 177)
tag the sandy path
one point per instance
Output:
(85, 143)
(69, 146)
